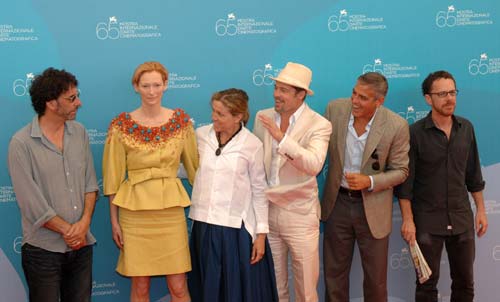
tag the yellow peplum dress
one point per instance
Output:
(140, 166)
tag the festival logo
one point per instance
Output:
(96, 136)
(461, 17)
(198, 124)
(179, 81)
(491, 206)
(484, 65)
(101, 187)
(491, 192)
(401, 260)
(392, 70)
(10, 33)
(496, 253)
(262, 76)
(7, 194)
(232, 26)
(20, 87)
(343, 21)
(411, 115)
(17, 244)
(443, 298)
(104, 289)
(114, 29)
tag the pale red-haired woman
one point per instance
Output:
(142, 154)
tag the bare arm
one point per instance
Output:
(57, 224)
(408, 229)
(481, 218)
(258, 248)
(115, 224)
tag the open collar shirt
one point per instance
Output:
(229, 189)
(354, 148)
(277, 158)
(442, 172)
(49, 182)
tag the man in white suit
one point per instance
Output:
(295, 142)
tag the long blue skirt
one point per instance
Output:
(220, 257)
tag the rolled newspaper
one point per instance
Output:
(421, 266)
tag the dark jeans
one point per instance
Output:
(52, 276)
(461, 252)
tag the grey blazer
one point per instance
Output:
(389, 135)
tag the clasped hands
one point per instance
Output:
(76, 236)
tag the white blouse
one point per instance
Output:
(229, 189)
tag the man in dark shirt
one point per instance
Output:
(444, 165)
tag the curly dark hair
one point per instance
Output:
(433, 76)
(49, 86)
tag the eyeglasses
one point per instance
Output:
(443, 94)
(72, 98)
(376, 164)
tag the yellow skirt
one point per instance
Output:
(155, 242)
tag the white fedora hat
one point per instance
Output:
(296, 75)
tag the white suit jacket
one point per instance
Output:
(304, 149)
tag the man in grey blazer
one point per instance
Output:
(368, 156)
(295, 142)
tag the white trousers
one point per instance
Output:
(297, 234)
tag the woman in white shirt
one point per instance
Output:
(230, 255)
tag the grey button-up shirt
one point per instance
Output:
(48, 182)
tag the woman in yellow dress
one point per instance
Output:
(141, 158)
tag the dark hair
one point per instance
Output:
(432, 77)
(49, 86)
(235, 100)
(377, 81)
(299, 90)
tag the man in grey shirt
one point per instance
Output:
(53, 176)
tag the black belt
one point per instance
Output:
(351, 193)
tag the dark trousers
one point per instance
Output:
(461, 252)
(346, 225)
(54, 277)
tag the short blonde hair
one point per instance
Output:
(235, 100)
(149, 67)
